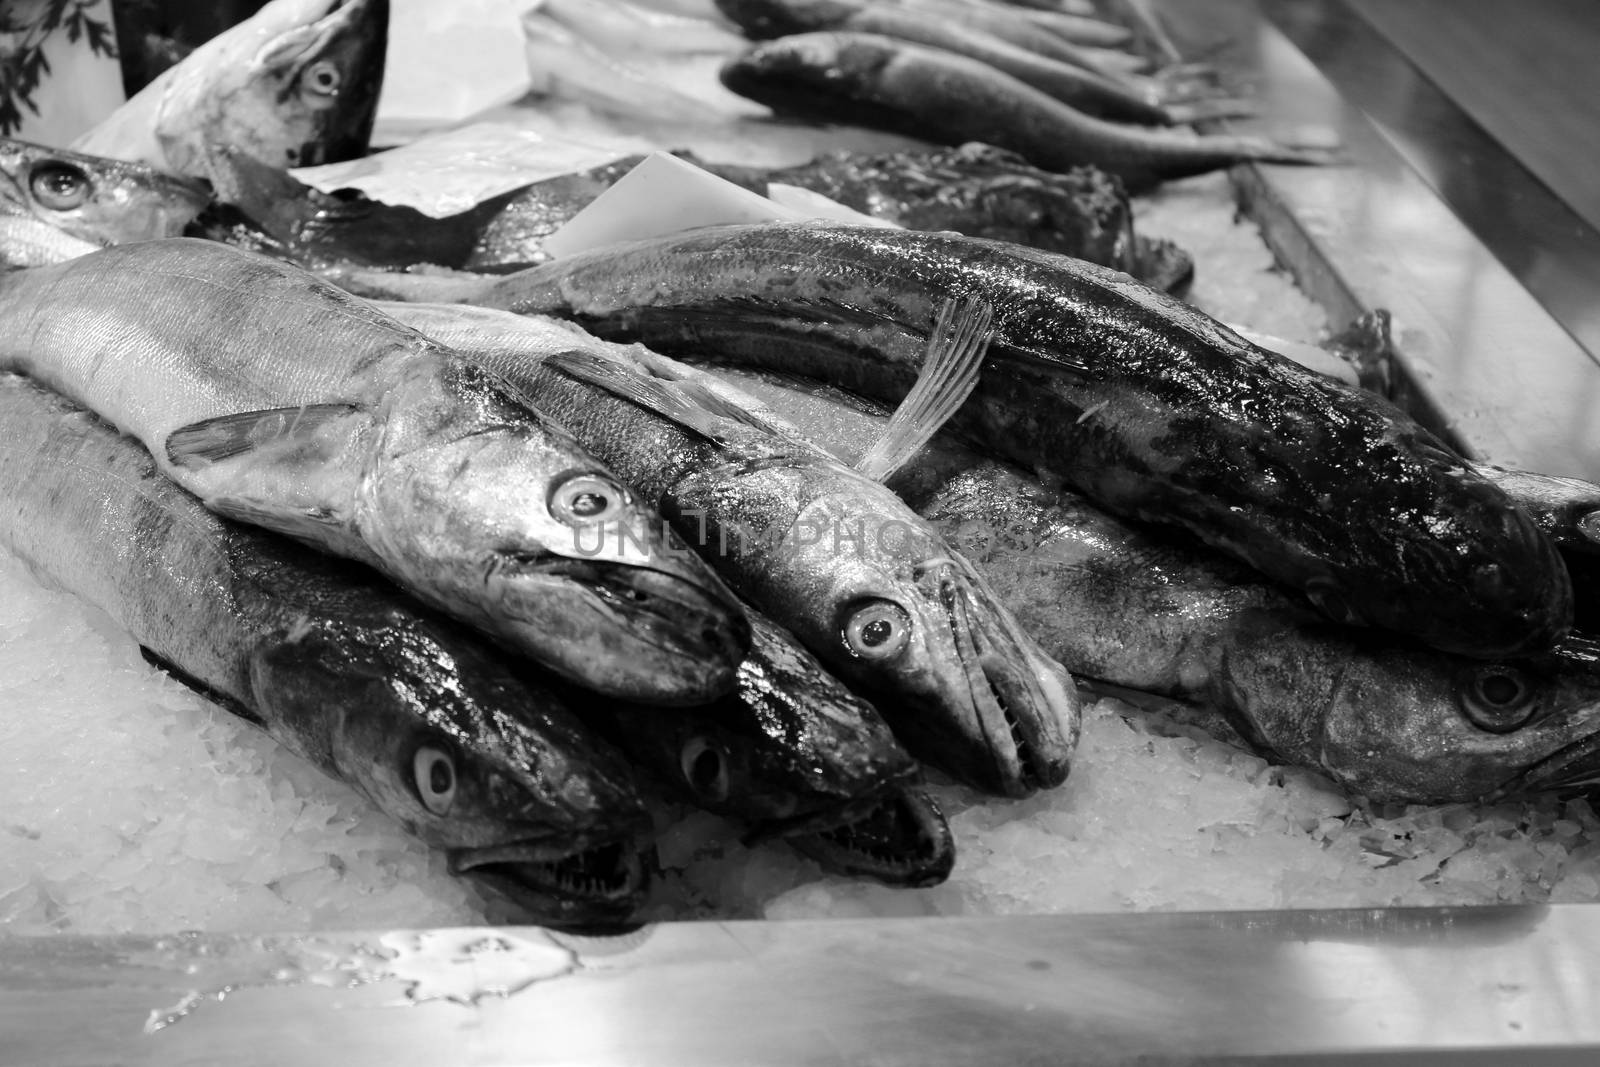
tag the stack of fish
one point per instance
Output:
(600, 560)
(1051, 85)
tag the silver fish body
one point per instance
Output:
(338, 666)
(296, 85)
(832, 556)
(56, 204)
(282, 401)
(1150, 611)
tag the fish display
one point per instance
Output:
(832, 556)
(338, 667)
(1133, 607)
(1144, 404)
(870, 80)
(1082, 87)
(56, 204)
(282, 401)
(296, 85)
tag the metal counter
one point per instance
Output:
(1463, 985)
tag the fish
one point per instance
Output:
(56, 204)
(1094, 93)
(1149, 407)
(282, 401)
(1141, 609)
(827, 553)
(408, 708)
(794, 756)
(869, 80)
(974, 189)
(295, 85)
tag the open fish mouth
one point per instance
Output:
(1575, 767)
(901, 839)
(597, 886)
(1018, 717)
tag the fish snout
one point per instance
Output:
(1026, 705)
(669, 639)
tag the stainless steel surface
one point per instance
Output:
(1485, 359)
(1522, 984)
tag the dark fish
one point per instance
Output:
(829, 554)
(340, 668)
(763, 20)
(295, 85)
(874, 81)
(1146, 610)
(1094, 93)
(281, 401)
(1148, 406)
(56, 204)
(973, 189)
(795, 756)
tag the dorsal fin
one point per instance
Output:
(950, 370)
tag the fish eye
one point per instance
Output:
(433, 772)
(877, 630)
(322, 78)
(1497, 699)
(705, 768)
(586, 498)
(59, 186)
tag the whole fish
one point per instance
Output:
(1090, 91)
(56, 204)
(869, 80)
(296, 85)
(1144, 610)
(334, 664)
(282, 401)
(832, 556)
(1149, 407)
(974, 189)
(794, 755)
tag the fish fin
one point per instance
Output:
(653, 394)
(950, 372)
(230, 436)
(715, 396)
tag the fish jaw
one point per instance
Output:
(623, 630)
(900, 839)
(593, 885)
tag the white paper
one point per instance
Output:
(448, 173)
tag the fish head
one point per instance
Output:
(886, 605)
(578, 569)
(815, 74)
(307, 93)
(491, 770)
(899, 837)
(788, 743)
(98, 201)
(762, 20)
(1397, 722)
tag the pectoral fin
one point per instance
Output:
(283, 434)
(949, 374)
(653, 394)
